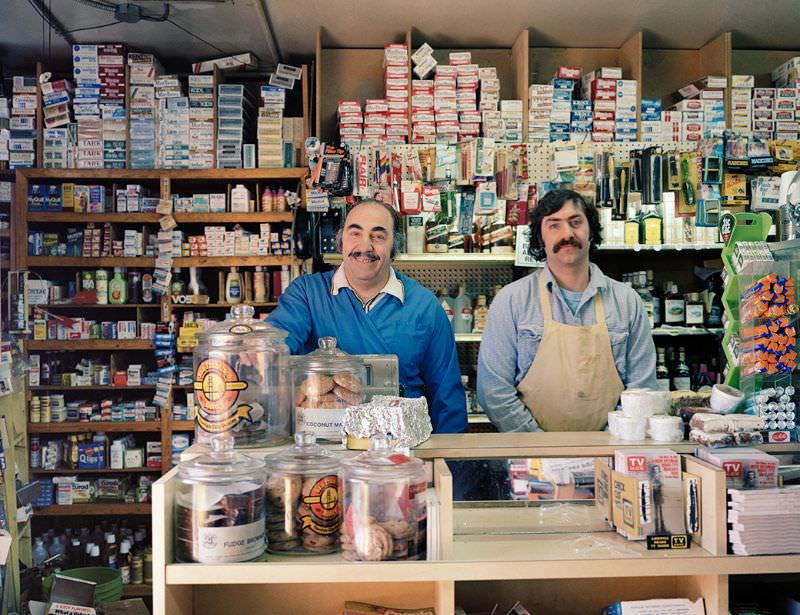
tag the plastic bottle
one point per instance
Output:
(124, 562)
(259, 285)
(462, 311)
(481, 312)
(447, 304)
(233, 286)
(117, 455)
(117, 288)
(266, 200)
(134, 286)
(36, 452)
(177, 286)
(280, 200)
(101, 286)
(111, 551)
(58, 548)
(240, 199)
(39, 552)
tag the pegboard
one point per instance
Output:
(468, 359)
(540, 155)
(480, 278)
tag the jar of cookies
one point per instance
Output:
(326, 382)
(303, 514)
(242, 381)
(384, 505)
(219, 506)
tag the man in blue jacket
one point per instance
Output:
(372, 309)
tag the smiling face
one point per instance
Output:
(566, 235)
(367, 244)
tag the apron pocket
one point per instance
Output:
(619, 349)
(529, 336)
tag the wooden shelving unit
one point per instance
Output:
(106, 388)
(232, 261)
(142, 262)
(89, 345)
(98, 509)
(96, 426)
(102, 472)
(71, 217)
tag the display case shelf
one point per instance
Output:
(95, 426)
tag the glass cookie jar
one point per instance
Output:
(326, 382)
(219, 507)
(384, 505)
(303, 513)
(242, 381)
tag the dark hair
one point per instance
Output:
(552, 202)
(398, 239)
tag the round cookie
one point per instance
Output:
(328, 400)
(316, 385)
(283, 490)
(346, 395)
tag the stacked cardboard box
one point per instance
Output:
(143, 69)
(173, 123)
(22, 138)
(111, 72)
(270, 127)
(233, 112)
(201, 121)
(742, 103)
(395, 72)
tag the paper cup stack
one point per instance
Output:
(643, 408)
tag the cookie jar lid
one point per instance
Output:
(242, 329)
(222, 464)
(305, 457)
(328, 358)
(382, 462)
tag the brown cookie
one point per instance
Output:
(318, 542)
(316, 385)
(299, 397)
(328, 400)
(346, 395)
(283, 491)
(349, 382)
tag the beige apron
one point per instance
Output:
(572, 383)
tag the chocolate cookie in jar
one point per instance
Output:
(326, 382)
(384, 508)
(303, 513)
(219, 506)
(242, 381)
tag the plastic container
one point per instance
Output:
(326, 382)
(303, 514)
(241, 381)
(108, 582)
(384, 505)
(219, 507)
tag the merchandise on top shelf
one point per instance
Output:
(233, 113)
(702, 108)
(173, 123)
(22, 137)
(201, 121)
(143, 69)
(270, 129)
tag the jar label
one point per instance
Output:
(322, 501)
(322, 422)
(222, 545)
(217, 387)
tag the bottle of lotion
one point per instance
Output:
(447, 304)
(233, 286)
(462, 311)
(260, 285)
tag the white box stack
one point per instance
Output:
(201, 121)
(270, 127)
(233, 107)
(111, 71)
(143, 69)
(86, 71)
(396, 77)
(22, 137)
(742, 103)
(173, 123)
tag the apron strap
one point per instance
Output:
(599, 312)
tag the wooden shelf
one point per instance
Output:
(211, 306)
(60, 471)
(5, 233)
(468, 337)
(67, 216)
(137, 591)
(92, 174)
(296, 173)
(137, 344)
(142, 262)
(101, 508)
(107, 306)
(99, 387)
(428, 259)
(182, 425)
(180, 174)
(219, 218)
(231, 261)
(95, 426)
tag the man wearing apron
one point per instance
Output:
(561, 344)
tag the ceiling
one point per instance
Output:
(230, 26)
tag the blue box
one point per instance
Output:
(46, 492)
(91, 456)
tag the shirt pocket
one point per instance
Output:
(529, 336)
(619, 348)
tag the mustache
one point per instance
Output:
(371, 255)
(567, 242)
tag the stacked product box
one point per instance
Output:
(57, 148)
(492, 124)
(765, 105)
(22, 137)
(561, 111)
(201, 121)
(395, 72)
(376, 119)
(702, 105)
(294, 139)
(580, 121)
(787, 75)
(56, 103)
(5, 133)
(270, 127)
(445, 103)
(742, 103)
(233, 107)
(653, 129)
(511, 113)
(625, 120)
(143, 69)
(351, 121)
(600, 87)
(423, 120)
(173, 123)
(540, 108)
(467, 79)
(786, 120)
(111, 73)
(86, 106)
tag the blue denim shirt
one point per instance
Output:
(514, 329)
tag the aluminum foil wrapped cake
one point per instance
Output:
(405, 420)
